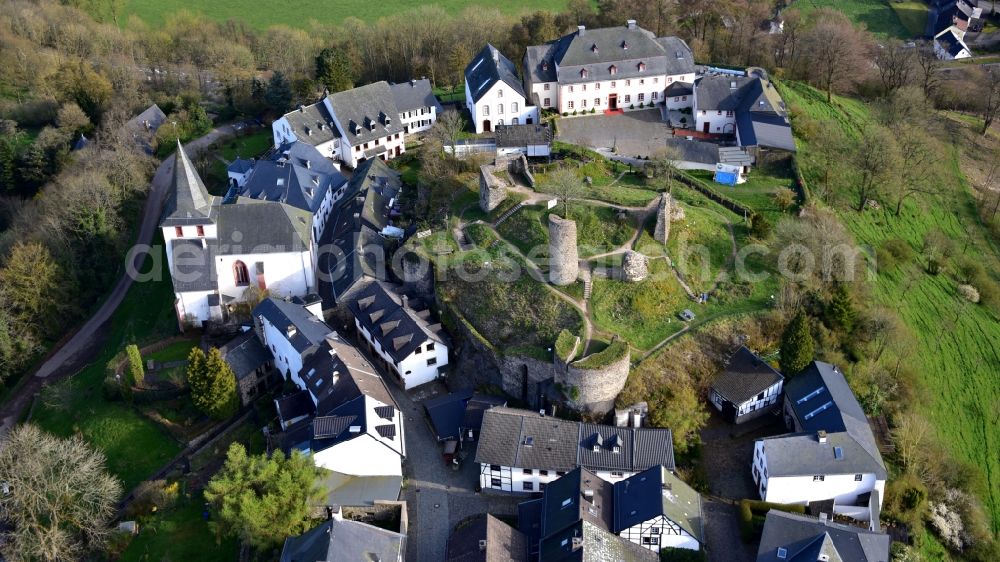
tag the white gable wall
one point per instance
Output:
(362, 456)
(286, 359)
(660, 532)
(500, 105)
(192, 306)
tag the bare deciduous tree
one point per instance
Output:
(895, 64)
(58, 497)
(876, 160)
(836, 51)
(566, 185)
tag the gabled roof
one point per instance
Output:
(152, 115)
(587, 542)
(296, 405)
(761, 118)
(252, 226)
(698, 151)
(365, 113)
(414, 95)
(588, 55)
(951, 42)
(245, 354)
(394, 321)
(193, 265)
(804, 538)
(522, 135)
(188, 202)
(746, 376)
(312, 124)
(240, 166)
(486, 69)
(526, 439)
(655, 492)
(721, 92)
(300, 327)
(297, 175)
(503, 543)
(459, 410)
(578, 494)
(343, 539)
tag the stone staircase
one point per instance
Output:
(507, 214)
(588, 283)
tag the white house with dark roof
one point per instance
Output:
(950, 44)
(418, 108)
(343, 414)
(611, 68)
(311, 124)
(655, 509)
(832, 453)
(494, 94)
(367, 122)
(789, 537)
(523, 451)
(217, 248)
(401, 332)
(747, 389)
(530, 140)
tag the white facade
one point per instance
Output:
(285, 274)
(367, 454)
(418, 120)
(843, 488)
(625, 94)
(512, 479)
(766, 399)
(500, 105)
(658, 533)
(680, 102)
(420, 367)
(192, 306)
(352, 155)
(282, 133)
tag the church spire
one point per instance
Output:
(188, 200)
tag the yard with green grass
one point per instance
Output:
(610, 181)
(135, 445)
(327, 12)
(179, 533)
(958, 341)
(247, 146)
(876, 15)
(700, 245)
(912, 14)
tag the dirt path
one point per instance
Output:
(77, 350)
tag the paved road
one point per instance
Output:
(83, 345)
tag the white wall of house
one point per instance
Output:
(418, 120)
(240, 178)
(844, 488)
(286, 359)
(362, 456)
(171, 233)
(500, 105)
(531, 150)
(286, 274)
(680, 102)
(596, 95)
(281, 132)
(943, 54)
(526, 480)
(356, 154)
(192, 306)
(547, 94)
(420, 367)
(660, 532)
(766, 399)
(718, 121)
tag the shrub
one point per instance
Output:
(968, 270)
(642, 105)
(969, 293)
(152, 496)
(898, 249)
(565, 345)
(565, 113)
(760, 227)
(592, 110)
(632, 106)
(136, 372)
(574, 112)
(752, 513)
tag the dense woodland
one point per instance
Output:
(66, 217)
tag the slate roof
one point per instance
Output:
(353, 490)
(153, 114)
(578, 494)
(294, 406)
(245, 354)
(310, 331)
(252, 226)
(951, 42)
(513, 136)
(679, 89)
(312, 124)
(746, 376)
(414, 95)
(595, 545)
(188, 201)
(240, 166)
(341, 374)
(657, 491)
(297, 175)
(564, 445)
(503, 542)
(341, 539)
(761, 117)
(697, 151)
(371, 107)
(597, 50)
(821, 400)
(715, 92)
(399, 329)
(193, 265)
(805, 538)
(489, 67)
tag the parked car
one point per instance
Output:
(687, 315)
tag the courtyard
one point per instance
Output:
(630, 134)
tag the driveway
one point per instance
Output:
(728, 449)
(74, 353)
(722, 534)
(634, 133)
(438, 497)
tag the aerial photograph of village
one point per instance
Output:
(518, 281)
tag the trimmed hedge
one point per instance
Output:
(752, 513)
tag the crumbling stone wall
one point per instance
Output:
(663, 213)
(492, 190)
(564, 262)
(635, 266)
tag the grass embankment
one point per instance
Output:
(957, 343)
(135, 446)
(310, 12)
(876, 15)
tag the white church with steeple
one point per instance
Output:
(264, 234)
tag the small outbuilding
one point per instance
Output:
(747, 389)
(534, 140)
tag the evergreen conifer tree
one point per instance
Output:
(797, 347)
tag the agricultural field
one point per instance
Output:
(876, 15)
(957, 342)
(155, 12)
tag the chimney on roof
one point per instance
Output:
(577, 543)
(630, 24)
(581, 29)
(588, 494)
(482, 545)
(302, 109)
(308, 164)
(405, 301)
(732, 85)
(821, 436)
(823, 518)
(291, 331)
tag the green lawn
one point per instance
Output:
(958, 342)
(700, 244)
(912, 14)
(609, 180)
(642, 313)
(135, 446)
(176, 351)
(179, 533)
(261, 16)
(763, 182)
(246, 146)
(876, 15)
(528, 229)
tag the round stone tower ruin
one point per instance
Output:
(635, 266)
(564, 263)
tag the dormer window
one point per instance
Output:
(593, 48)
(625, 45)
(545, 65)
(613, 70)
(583, 73)
(642, 67)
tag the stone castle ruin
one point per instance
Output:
(564, 262)
(497, 178)
(635, 266)
(666, 212)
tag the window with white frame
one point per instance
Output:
(499, 92)
(569, 105)
(597, 102)
(547, 102)
(513, 107)
(486, 110)
(642, 97)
